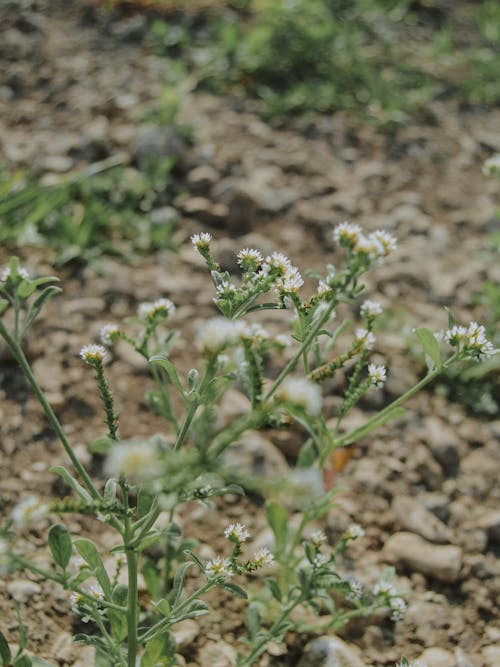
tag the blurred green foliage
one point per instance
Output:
(105, 208)
(384, 58)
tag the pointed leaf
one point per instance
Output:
(430, 345)
(178, 586)
(253, 618)
(5, 654)
(26, 289)
(37, 306)
(273, 586)
(88, 551)
(71, 481)
(235, 589)
(167, 365)
(60, 544)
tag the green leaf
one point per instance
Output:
(253, 618)
(195, 558)
(25, 289)
(4, 304)
(152, 577)
(5, 654)
(163, 607)
(430, 345)
(178, 586)
(277, 518)
(110, 490)
(23, 661)
(40, 662)
(88, 551)
(158, 651)
(235, 589)
(60, 544)
(71, 481)
(38, 304)
(145, 500)
(167, 365)
(395, 413)
(101, 445)
(118, 619)
(273, 586)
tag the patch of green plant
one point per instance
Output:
(106, 208)
(384, 58)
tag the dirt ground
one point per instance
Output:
(74, 85)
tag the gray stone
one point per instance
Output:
(490, 522)
(201, 179)
(217, 654)
(443, 443)
(256, 456)
(491, 656)
(185, 633)
(417, 519)
(411, 551)
(22, 589)
(330, 652)
(437, 657)
(159, 141)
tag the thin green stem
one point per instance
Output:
(49, 413)
(132, 596)
(114, 649)
(195, 403)
(303, 348)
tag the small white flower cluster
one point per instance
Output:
(395, 602)
(6, 274)
(289, 279)
(366, 339)
(159, 308)
(319, 560)
(377, 375)
(250, 259)
(219, 332)
(376, 245)
(93, 354)
(236, 532)
(201, 240)
(491, 166)
(301, 392)
(370, 309)
(109, 333)
(76, 599)
(353, 532)
(136, 459)
(317, 538)
(356, 588)
(218, 567)
(471, 340)
(257, 332)
(29, 511)
(262, 558)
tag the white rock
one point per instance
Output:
(437, 657)
(417, 519)
(409, 550)
(22, 589)
(330, 652)
(185, 633)
(217, 654)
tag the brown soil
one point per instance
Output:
(75, 86)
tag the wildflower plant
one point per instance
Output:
(147, 480)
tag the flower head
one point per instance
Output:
(236, 532)
(323, 288)
(377, 375)
(398, 608)
(301, 392)
(365, 339)
(387, 241)
(353, 532)
(136, 459)
(319, 560)
(7, 273)
(250, 259)
(317, 538)
(491, 166)
(347, 234)
(262, 558)
(157, 310)
(218, 567)
(218, 333)
(28, 511)
(109, 333)
(370, 309)
(277, 262)
(355, 586)
(471, 340)
(201, 240)
(291, 282)
(93, 354)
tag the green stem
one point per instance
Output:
(132, 596)
(303, 348)
(107, 400)
(49, 413)
(193, 406)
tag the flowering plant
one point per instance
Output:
(149, 479)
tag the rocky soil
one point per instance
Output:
(425, 488)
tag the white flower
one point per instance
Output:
(277, 261)
(491, 166)
(370, 308)
(386, 240)
(455, 335)
(108, 333)
(96, 591)
(384, 588)
(161, 307)
(93, 353)
(76, 599)
(319, 560)
(369, 246)
(353, 531)
(136, 459)
(356, 588)
(201, 240)
(398, 608)
(31, 510)
(347, 233)
(377, 375)
(218, 567)
(302, 392)
(236, 532)
(262, 558)
(472, 340)
(323, 288)
(219, 332)
(366, 339)
(250, 258)
(257, 332)
(291, 282)
(6, 274)
(283, 340)
(317, 538)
